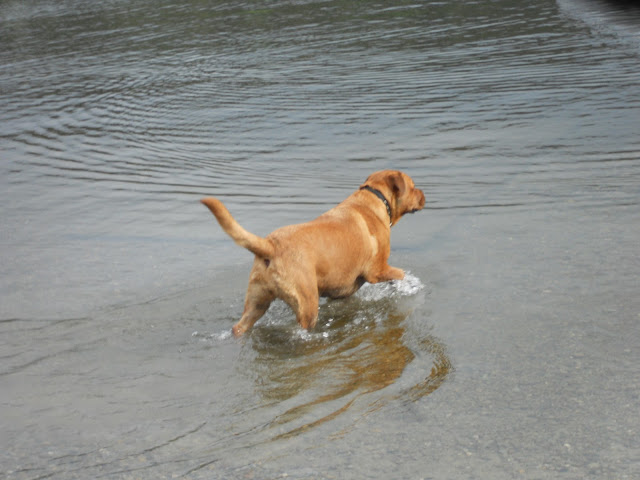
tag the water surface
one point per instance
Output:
(509, 351)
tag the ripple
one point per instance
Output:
(217, 114)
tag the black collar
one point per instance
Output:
(379, 194)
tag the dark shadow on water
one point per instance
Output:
(360, 347)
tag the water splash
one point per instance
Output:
(409, 285)
(212, 337)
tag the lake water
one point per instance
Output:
(512, 348)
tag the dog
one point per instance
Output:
(331, 256)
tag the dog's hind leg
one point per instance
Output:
(256, 305)
(303, 298)
(306, 308)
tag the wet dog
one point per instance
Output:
(331, 256)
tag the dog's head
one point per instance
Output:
(399, 190)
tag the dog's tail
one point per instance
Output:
(259, 246)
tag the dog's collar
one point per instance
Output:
(379, 194)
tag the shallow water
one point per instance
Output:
(509, 351)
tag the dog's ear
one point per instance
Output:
(397, 184)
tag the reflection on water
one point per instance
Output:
(359, 347)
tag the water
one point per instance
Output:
(509, 351)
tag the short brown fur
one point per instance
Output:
(331, 256)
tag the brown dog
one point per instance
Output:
(331, 256)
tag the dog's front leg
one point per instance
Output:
(386, 274)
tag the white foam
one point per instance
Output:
(224, 335)
(304, 334)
